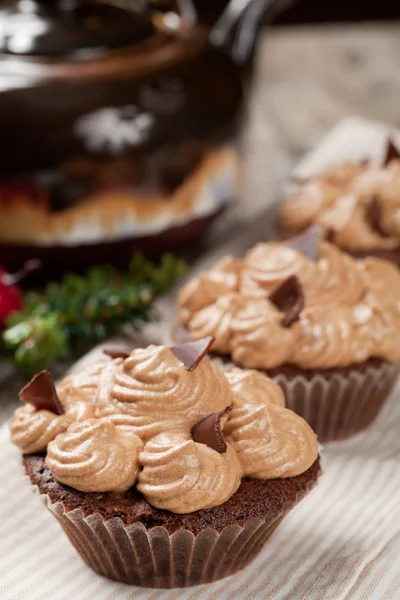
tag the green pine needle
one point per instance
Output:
(87, 308)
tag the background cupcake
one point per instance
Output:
(322, 324)
(162, 470)
(358, 203)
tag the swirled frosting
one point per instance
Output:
(137, 421)
(270, 441)
(200, 292)
(338, 199)
(348, 316)
(95, 455)
(32, 430)
(182, 476)
(252, 387)
(157, 394)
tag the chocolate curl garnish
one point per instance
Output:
(288, 297)
(330, 235)
(391, 152)
(29, 267)
(115, 353)
(192, 353)
(307, 243)
(373, 214)
(42, 394)
(208, 431)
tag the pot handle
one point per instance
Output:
(235, 29)
(239, 23)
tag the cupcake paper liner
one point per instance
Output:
(155, 558)
(341, 405)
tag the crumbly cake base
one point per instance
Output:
(255, 498)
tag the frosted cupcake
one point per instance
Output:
(162, 470)
(322, 324)
(357, 203)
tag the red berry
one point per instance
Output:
(10, 299)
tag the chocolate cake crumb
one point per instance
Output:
(255, 498)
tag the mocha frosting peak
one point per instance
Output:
(340, 198)
(252, 387)
(158, 394)
(134, 421)
(271, 441)
(182, 476)
(202, 291)
(348, 314)
(95, 455)
(32, 430)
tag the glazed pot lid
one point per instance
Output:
(70, 28)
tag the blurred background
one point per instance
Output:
(312, 11)
(135, 124)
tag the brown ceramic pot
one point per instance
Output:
(119, 128)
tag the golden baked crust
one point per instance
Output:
(118, 213)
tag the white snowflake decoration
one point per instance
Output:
(114, 129)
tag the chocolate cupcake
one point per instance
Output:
(162, 470)
(320, 323)
(357, 203)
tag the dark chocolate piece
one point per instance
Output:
(115, 353)
(288, 297)
(208, 431)
(330, 235)
(307, 243)
(42, 394)
(373, 214)
(391, 152)
(191, 353)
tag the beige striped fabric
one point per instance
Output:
(341, 542)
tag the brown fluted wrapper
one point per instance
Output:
(342, 405)
(155, 558)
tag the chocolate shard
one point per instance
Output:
(191, 353)
(42, 394)
(330, 235)
(208, 431)
(115, 353)
(373, 214)
(288, 297)
(307, 243)
(391, 152)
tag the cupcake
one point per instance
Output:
(357, 203)
(320, 323)
(163, 470)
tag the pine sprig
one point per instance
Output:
(87, 308)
